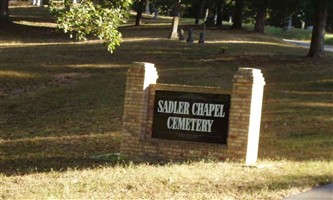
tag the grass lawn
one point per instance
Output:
(296, 34)
(61, 103)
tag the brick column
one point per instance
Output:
(245, 114)
(135, 106)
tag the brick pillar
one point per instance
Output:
(245, 114)
(135, 105)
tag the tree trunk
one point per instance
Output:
(139, 13)
(238, 15)
(4, 14)
(219, 12)
(210, 17)
(200, 11)
(260, 19)
(318, 31)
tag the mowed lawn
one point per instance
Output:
(61, 103)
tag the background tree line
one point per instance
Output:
(313, 14)
(90, 14)
(273, 13)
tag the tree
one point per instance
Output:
(237, 24)
(261, 12)
(199, 10)
(281, 11)
(101, 20)
(219, 12)
(139, 12)
(4, 11)
(329, 21)
(318, 32)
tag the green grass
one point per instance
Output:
(293, 34)
(296, 34)
(61, 104)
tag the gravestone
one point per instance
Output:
(201, 38)
(190, 36)
(174, 32)
(288, 26)
(181, 34)
(155, 13)
(38, 3)
(303, 24)
(230, 19)
(147, 9)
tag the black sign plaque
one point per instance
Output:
(190, 116)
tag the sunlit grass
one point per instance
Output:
(15, 44)
(314, 104)
(16, 74)
(199, 180)
(248, 42)
(37, 24)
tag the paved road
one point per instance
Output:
(320, 193)
(307, 44)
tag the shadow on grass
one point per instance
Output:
(44, 154)
(30, 13)
(92, 105)
(14, 33)
(38, 165)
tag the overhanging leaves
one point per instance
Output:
(88, 18)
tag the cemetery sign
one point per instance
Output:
(190, 116)
(164, 122)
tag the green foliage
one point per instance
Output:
(295, 33)
(100, 20)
